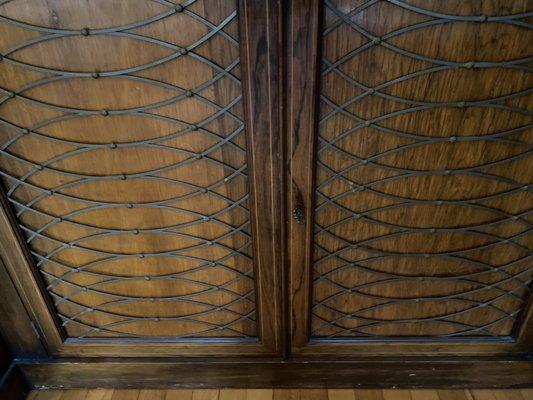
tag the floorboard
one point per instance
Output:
(279, 394)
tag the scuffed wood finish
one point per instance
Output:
(130, 165)
(421, 202)
(362, 373)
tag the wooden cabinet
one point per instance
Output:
(137, 164)
(410, 166)
(269, 179)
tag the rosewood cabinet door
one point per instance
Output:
(410, 169)
(137, 158)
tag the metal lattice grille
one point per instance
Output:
(123, 155)
(423, 193)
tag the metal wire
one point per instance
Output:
(513, 278)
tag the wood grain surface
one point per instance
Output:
(123, 155)
(423, 199)
(370, 372)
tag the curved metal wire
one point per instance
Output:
(343, 309)
(237, 313)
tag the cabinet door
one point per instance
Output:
(138, 157)
(410, 170)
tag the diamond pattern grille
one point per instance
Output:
(423, 193)
(122, 152)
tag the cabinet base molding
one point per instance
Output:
(364, 373)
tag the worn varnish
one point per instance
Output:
(423, 200)
(123, 154)
(363, 373)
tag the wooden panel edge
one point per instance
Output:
(260, 31)
(302, 80)
(363, 348)
(163, 349)
(417, 373)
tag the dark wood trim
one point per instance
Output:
(16, 327)
(260, 24)
(302, 88)
(365, 373)
(506, 346)
(13, 384)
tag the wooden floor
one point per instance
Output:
(281, 394)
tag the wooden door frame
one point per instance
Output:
(302, 44)
(260, 29)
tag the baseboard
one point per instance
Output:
(157, 373)
(13, 385)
